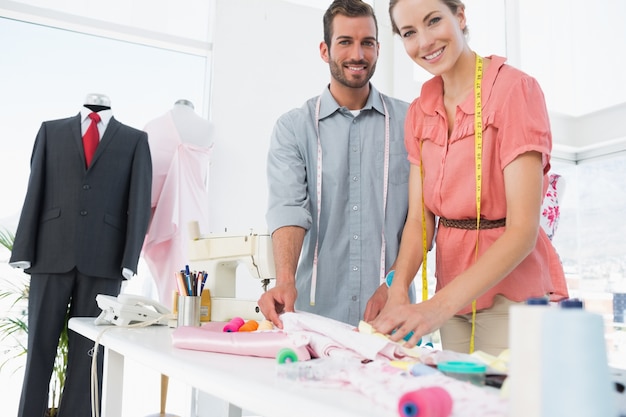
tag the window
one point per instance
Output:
(47, 72)
(590, 240)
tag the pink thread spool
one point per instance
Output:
(233, 325)
(425, 402)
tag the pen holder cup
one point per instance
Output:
(189, 310)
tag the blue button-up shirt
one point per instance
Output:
(351, 220)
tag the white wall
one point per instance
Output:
(266, 61)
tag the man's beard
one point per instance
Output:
(337, 72)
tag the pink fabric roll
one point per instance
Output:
(211, 338)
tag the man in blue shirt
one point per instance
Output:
(338, 174)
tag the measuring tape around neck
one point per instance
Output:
(478, 156)
(319, 195)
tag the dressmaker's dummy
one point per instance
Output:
(180, 144)
(551, 209)
(80, 234)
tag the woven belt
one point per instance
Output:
(470, 224)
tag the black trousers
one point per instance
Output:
(48, 301)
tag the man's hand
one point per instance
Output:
(376, 303)
(278, 300)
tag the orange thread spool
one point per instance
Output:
(249, 326)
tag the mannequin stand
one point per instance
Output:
(164, 384)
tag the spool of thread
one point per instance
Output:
(193, 229)
(464, 371)
(524, 376)
(286, 355)
(558, 362)
(233, 325)
(425, 402)
(576, 380)
(249, 326)
(265, 325)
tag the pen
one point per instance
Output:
(204, 276)
(187, 282)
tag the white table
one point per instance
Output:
(244, 382)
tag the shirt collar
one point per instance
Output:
(431, 97)
(328, 105)
(105, 115)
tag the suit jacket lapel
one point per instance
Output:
(78, 137)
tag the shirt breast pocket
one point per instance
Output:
(398, 167)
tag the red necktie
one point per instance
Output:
(91, 138)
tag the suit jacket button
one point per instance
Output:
(83, 212)
(86, 187)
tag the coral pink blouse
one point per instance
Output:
(515, 121)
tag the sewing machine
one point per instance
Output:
(219, 255)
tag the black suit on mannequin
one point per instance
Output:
(79, 229)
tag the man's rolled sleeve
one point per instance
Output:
(288, 202)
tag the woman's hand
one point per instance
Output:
(398, 320)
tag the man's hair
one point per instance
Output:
(350, 8)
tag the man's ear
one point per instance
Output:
(324, 52)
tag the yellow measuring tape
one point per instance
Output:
(478, 157)
(424, 237)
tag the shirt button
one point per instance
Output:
(354, 298)
(355, 208)
(83, 212)
(355, 178)
(355, 268)
(355, 149)
(355, 237)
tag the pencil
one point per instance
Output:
(182, 290)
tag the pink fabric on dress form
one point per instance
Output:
(179, 196)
